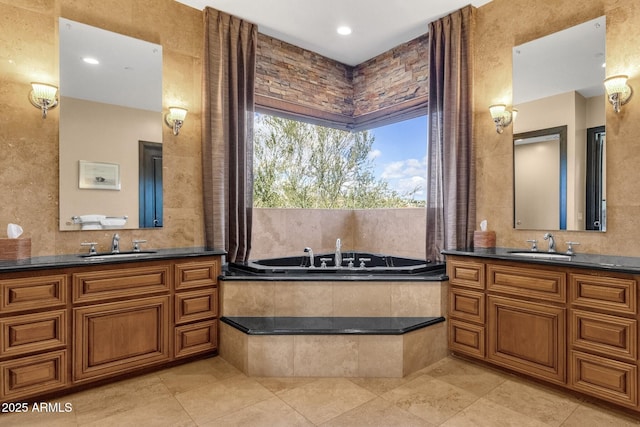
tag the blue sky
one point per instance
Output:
(399, 152)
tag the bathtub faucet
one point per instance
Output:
(311, 260)
(338, 255)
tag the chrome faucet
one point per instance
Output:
(311, 260)
(337, 259)
(552, 242)
(115, 244)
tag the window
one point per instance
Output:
(303, 165)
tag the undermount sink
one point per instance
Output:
(541, 255)
(109, 255)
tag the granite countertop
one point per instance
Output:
(82, 260)
(592, 261)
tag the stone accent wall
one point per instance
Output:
(320, 85)
(398, 75)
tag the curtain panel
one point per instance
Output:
(227, 132)
(451, 197)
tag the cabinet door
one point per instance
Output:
(118, 337)
(527, 337)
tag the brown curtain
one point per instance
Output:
(451, 200)
(227, 134)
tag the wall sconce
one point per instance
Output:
(618, 91)
(43, 96)
(501, 116)
(175, 118)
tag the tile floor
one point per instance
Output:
(211, 392)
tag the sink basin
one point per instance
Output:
(541, 255)
(109, 255)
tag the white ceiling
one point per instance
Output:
(378, 25)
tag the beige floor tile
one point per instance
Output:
(377, 413)
(218, 399)
(588, 415)
(279, 385)
(326, 398)
(380, 386)
(485, 413)
(544, 404)
(34, 418)
(476, 379)
(105, 401)
(268, 413)
(193, 375)
(430, 399)
(165, 412)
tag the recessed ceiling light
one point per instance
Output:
(344, 30)
(92, 61)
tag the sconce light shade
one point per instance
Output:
(43, 97)
(175, 118)
(618, 91)
(501, 116)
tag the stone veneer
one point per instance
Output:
(311, 81)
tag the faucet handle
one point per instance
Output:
(363, 260)
(323, 262)
(92, 249)
(570, 245)
(534, 245)
(136, 244)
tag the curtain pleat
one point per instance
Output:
(451, 198)
(227, 135)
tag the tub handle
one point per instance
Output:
(363, 260)
(350, 265)
(323, 262)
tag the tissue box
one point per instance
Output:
(484, 239)
(11, 249)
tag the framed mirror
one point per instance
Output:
(110, 107)
(557, 83)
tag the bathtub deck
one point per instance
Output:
(329, 325)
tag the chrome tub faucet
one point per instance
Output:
(552, 242)
(115, 244)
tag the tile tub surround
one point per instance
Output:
(348, 356)
(333, 355)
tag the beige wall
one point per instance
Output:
(29, 144)
(286, 232)
(502, 24)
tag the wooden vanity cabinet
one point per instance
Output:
(526, 327)
(196, 307)
(34, 334)
(574, 327)
(603, 333)
(466, 307)
(62, 328)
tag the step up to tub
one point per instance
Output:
(332, 346)
(329, 325)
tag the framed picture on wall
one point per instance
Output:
(99, 175)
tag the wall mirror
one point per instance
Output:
(557, 84)
(110, 130)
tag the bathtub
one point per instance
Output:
(362, 264)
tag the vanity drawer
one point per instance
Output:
(604, 378)
(196, 338)
(196, 305)
(467, 338)
(33, 332)
(30, 376)
(465, 273)
(467, 305)
(197, 274)
(538, 283)
(36, 292)
(610, 335)
(614, 294)
(91, 286)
